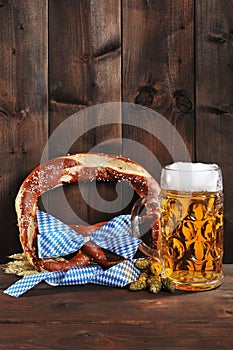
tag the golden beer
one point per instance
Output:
(189, 211)
(192, 238)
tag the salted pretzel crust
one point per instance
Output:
(65, 170)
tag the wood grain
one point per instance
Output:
(172, 57)
(96, 316)
(85, 70)
(120, 336)
(214, 96)
(157, 60)
(23, 104)
(85, 35)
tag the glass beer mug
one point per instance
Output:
(190, 240)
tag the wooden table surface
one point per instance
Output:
(97, 317)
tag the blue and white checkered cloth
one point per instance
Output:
(57, 239)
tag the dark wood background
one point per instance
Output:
(58, 57)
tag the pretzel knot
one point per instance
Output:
(70, 169)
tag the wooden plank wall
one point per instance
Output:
(214, 96)
(23, 103)
(60, 57)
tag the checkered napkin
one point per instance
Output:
(114, 235)
(117, 276)
(57, 239)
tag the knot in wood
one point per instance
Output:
(145, 96)
(183, 102)
(21, 26)
(216, 38)
(4, 114)
(20, 114)
(84, 58)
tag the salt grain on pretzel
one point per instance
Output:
(70, 169)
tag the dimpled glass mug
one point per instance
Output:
(190, 240)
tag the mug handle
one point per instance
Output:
(145, 216)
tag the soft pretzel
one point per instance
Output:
(69, 169)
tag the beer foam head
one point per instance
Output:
(191, 177)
